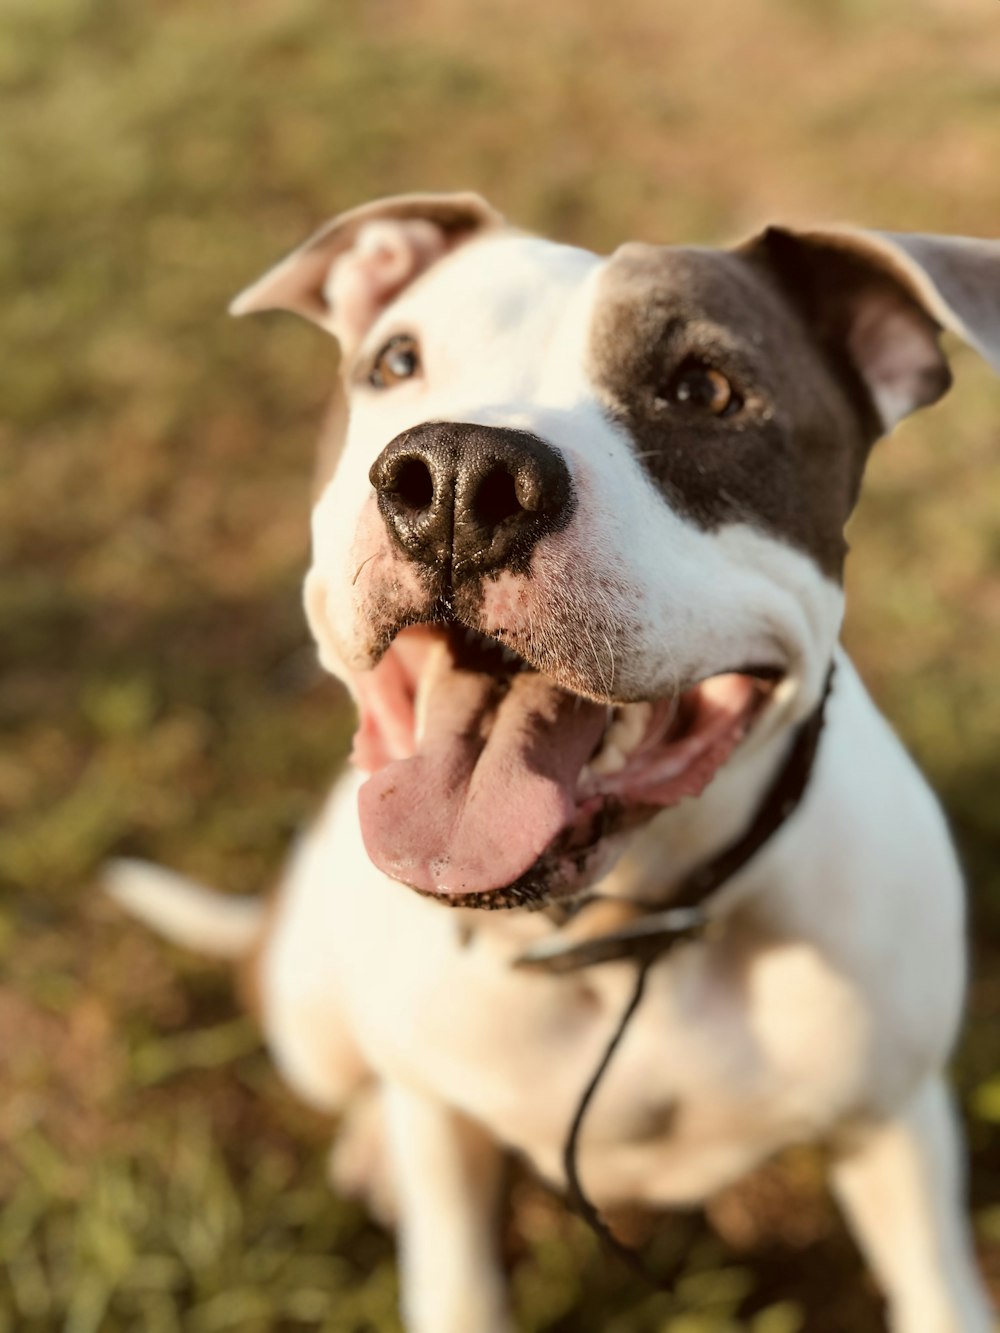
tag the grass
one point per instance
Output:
(159, 695)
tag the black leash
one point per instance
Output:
(658, 932)
(577, 1196)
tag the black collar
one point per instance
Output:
(657, 930)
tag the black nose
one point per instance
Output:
(470, 499)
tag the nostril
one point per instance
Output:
(464, 499)
(412, 484)
(496, 498)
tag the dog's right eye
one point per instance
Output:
(398, 360)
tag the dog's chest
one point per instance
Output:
(738, 1047)
(718, 1067)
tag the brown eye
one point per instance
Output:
(398, 360)
(704, 388)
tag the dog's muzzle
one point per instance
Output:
(493, 784)
(466, 500)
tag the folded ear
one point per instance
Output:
(879, 300)
(349, 270)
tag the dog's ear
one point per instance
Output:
(877, 302)
(349, 270)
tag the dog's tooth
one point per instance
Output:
(629, 727)
(438, 659)
(671, 717)
(608, 760)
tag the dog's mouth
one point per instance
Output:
(492, 786)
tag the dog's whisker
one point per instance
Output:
(367, 560)
(611, 661)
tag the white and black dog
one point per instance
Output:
(578, 554)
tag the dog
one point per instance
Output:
(577, 554)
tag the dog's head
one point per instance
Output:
(585, 529)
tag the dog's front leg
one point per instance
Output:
(901, 1187)
(447, 1174)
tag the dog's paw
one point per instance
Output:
(359, 1166)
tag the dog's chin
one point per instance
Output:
(492, 786)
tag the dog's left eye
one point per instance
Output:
(700, 386)
(398, 360)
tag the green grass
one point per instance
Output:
(159, 694)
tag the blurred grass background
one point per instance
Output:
(159, 694)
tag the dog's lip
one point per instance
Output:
(469, 640)
(515, 810)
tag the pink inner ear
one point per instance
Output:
(386, 256)
(896, 348)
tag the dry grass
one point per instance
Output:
(159, 694)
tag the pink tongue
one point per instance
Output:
(491, 784)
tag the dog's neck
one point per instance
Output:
(685, 836)
(689, 852)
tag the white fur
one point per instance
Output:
(822, 1008)
(824, 1002)
(185, 912)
